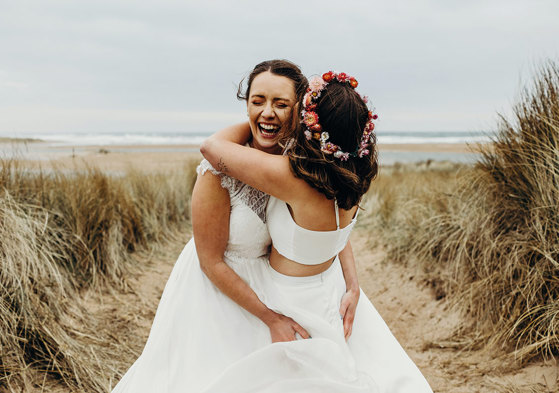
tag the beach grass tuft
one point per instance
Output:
(487, 236)
(62, 232)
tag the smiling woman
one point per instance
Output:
(209, 315)
(270, 95)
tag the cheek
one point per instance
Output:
(253, 113)
(284, 115)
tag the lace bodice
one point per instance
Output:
(248, 235)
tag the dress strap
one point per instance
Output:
(337, 214)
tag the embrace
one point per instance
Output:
(265, 297)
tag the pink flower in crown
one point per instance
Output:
(329, 147)
(308, 135)
(317, 83)
(310, 119)
(341, 155)
(365, 99)
(342, 77)
(307, 99)
(363, 152)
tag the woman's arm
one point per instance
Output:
(210, 223)
(351, 297)
(266, 172)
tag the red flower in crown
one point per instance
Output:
(375, 117)
(342, 77)
(317, 127)
(353, 82)
(328, 76)
(310, 119)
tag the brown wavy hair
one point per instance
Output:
(278, 67)
(343, 114)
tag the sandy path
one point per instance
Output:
(419, 321)
(407, 304)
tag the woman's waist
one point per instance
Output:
(288, 267)
(328, 272)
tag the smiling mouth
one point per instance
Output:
(268, 130)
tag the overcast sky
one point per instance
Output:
(153, 65)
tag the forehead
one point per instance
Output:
(271, 85)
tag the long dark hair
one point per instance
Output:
(342, 114)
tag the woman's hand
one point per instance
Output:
(347, 310)
(283, 328)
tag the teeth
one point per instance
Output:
(269, 127)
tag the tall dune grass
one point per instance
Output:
(60, 232)
(488, 236)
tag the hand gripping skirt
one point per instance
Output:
(201, 341)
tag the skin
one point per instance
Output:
(269, 105)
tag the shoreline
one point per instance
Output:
(167, 157)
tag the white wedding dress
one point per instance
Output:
(203, 342)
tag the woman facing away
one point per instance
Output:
(202, 327)
(315, 190)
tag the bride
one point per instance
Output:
(199, 328)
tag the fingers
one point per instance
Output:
(343, 308)
(302, 332)
(348, 324)
(348, 332)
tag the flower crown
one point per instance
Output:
(314, 129)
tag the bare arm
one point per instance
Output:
(210, 223)
(351, 297)
(266, 172)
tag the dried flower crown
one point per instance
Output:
(314, 129)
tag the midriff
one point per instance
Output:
(288, 267)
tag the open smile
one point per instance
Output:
(268, 130)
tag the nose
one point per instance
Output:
(268, 111)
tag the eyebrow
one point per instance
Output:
(274, 99)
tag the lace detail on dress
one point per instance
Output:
(255, 199)
(205, 166)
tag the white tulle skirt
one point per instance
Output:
(201, 341)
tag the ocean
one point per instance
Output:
(187, 141)
(193, 138)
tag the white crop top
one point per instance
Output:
(303, 245)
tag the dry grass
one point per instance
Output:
(488, 236)
(62, 232)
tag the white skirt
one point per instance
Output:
(201, 341)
